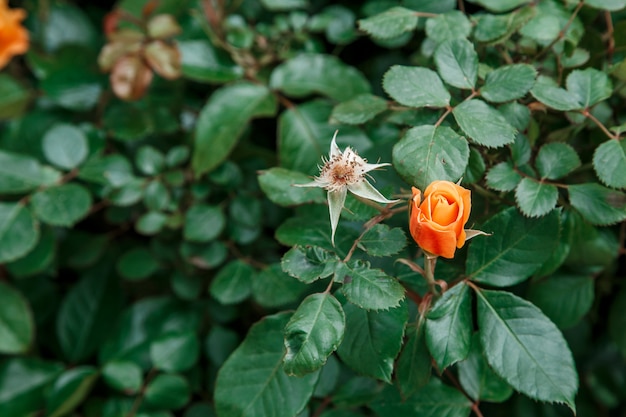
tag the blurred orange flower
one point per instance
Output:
(13, 36)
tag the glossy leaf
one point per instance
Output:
(359, 109)
(175, 352)
(63, 205)
(308, 264)
(252, 383)
(313, 333)
(168, 391)
(413, 367)
(70, 389)
(125, 376)
(429, 153)
(371, 289)
(597, 204)
(508, 83)
(19, 173)
(450, 25)
(611, 5)
(564, 298)
(278, 185)
(517, 247)
(203, 223)
(525, 348)
(457, 63)
(202, 62)
(233, 282)
(535, 198)
(223, 120)
(609, 162)
(484, 124)
(19, 231)
(478, 379)
(555, 160)
(390, 23)
(316, 73)
(274, 288)
(449, 327)
(137, 264)
(501, 5)
(372, 339)
(547, 92)
(589, 86)
(16, 321)
(381, 240)
(415, 87)
(503, 177)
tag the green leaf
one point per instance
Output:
(589, 86)
(546, 91)
(503, 177)
(203, 223)
(371, 289)
(23, 382)
(114, 170)
(63, 205)
(150, 160)
(313, 333)
(304, 136)
(564, 297)
(252, 382)
(609, 162)
(19, 231)
(359, 109)
(525, 348)
(381, 240)
(70, 389)
(19, 173)
(233, 282)
(484, 124)
(610, 5)
(17, 328)
(37, 260)
(308, 264)
(517, 247)
(86, 314)
(278, 186)
(151, 223)
(415, 87)
(500, 5)
(274, 288)
(124, 376)
(390, 23)
(413, 366)
(65, 146)
(453, 24)
(309, 73)
(449, 327)
(201, 62)
(434, 400)
(535, 198)
(457, 63)
(555, 160)
(597, 204)
(175, 352)
(372, 340)
(508, 83)
(478, 379)
(223, 120)
(475, 168)
(281, 5)
(168, 391)
(137, 264)
(428, 153)
(13, 97)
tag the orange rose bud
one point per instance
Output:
(13, 36)
(437, 223)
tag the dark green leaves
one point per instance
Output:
(63, 205)
(428, 153)
(555, 160)
(233, 282)
(19, 173)
(525, 348)
(414, 364)
(371, 289)
(65, 146)
(516, 248)
(597, 204)
(252, 383)
(415, 87)
(203, 223)
(609, 162)
(223, 120)
(380, 240)
(457, 63)
(278, 186)
(360, 109)
(508, 83)
(16, 321)
(315, 73)
(314, 331)
(584, 89)
(449, 327)
(308, 263)
(484, 124)
(373, 339)
(535, 198)
(389, 24)
(70, 389)
(175, 352)
(19, 232)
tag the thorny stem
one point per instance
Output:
(429, 271)
(598, 123)
(562, 31)
(449, 109)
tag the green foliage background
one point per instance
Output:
(156, 260)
